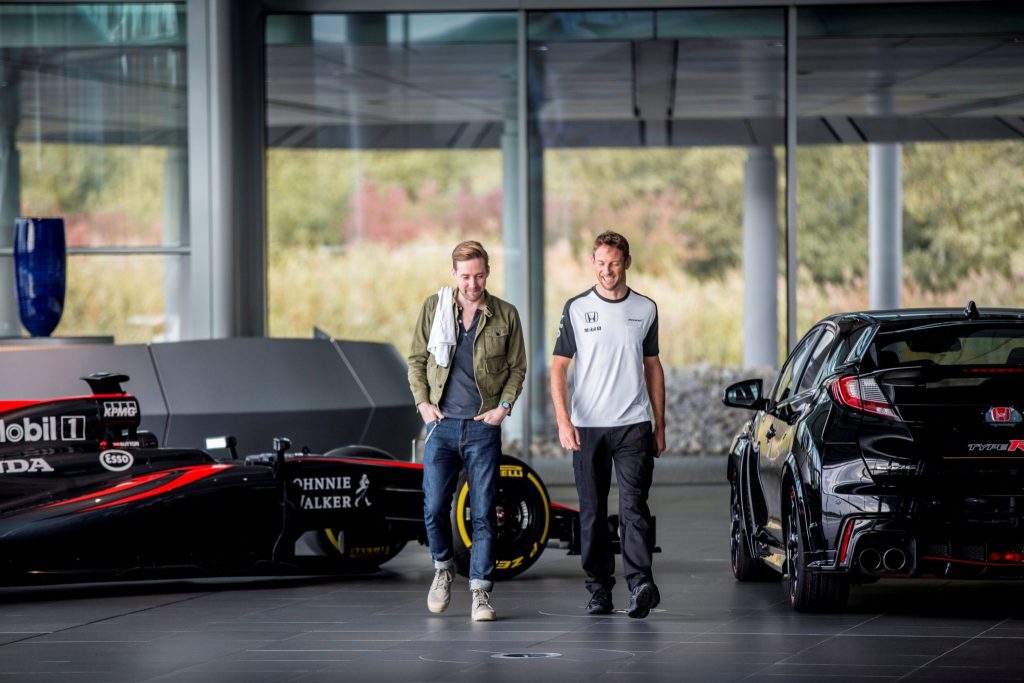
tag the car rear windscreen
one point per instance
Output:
(961, 343)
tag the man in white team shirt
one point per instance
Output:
(619, 383)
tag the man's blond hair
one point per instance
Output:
(469, 250)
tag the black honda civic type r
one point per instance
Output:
(890, 446)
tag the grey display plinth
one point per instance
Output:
(319, 393)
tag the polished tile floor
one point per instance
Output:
(376, 628)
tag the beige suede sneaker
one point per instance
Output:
(440, 591)
(482, 610)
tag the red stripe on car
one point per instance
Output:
(187, 475)
(120, 487)
(7, 406)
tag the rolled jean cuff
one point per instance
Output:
(445, 564)
(481, 585)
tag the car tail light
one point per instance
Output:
(844, 545)
(864, 394)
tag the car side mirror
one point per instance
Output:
(747, 394)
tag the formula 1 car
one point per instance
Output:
(86, 495)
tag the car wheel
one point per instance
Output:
(744, 566)
(808, 591)
(523, 520)
(366, 546)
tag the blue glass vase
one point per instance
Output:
(40, 266)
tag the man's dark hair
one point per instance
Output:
(612, 239)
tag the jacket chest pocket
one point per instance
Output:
(495, 341)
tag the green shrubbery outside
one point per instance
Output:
(357, 239)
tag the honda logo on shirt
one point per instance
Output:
(1002, 416)
(590, 317)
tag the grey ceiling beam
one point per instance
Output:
(654, 78)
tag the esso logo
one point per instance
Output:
(116, 461)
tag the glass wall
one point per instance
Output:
(393, 136)
(385, 137)
(93, 116)
(647, 120)
(925, 106)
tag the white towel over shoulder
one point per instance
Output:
(442, 331)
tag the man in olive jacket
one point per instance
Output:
(466, 369)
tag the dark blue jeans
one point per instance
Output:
(450, 445)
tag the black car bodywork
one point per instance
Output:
(85, 494)
(891, 445)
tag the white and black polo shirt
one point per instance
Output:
(609, 339)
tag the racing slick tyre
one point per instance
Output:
(808, 591)
(523, 520)
(365, 547)
(744, 566)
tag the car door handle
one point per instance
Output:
(771, 432)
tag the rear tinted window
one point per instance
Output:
(961, 343)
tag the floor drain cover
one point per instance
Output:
(525, 655)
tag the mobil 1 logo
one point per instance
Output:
(28, 430)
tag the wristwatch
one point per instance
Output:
(506, 405)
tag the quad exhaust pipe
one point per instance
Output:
(892, 560)
(870, 560)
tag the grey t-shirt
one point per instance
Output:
(461, 399)
(609, 339)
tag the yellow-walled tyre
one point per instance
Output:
(523, 520)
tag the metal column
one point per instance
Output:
(225, 149)
(760, 260)
(176, 267)
(885, 226)
(532, 150)
(514, 274)
(791, 179)
(10, 194)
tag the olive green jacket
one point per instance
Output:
(499, 355)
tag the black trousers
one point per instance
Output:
(631, 450)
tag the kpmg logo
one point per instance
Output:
(120, 409)
(1003, 416)
(590, 317)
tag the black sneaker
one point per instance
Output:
(644, 598)
(600, 602)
